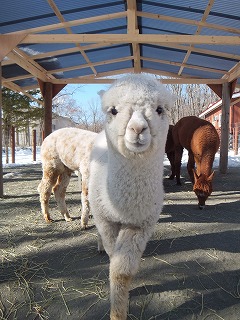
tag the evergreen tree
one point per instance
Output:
(18, 111)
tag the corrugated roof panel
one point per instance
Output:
(114, 66)
(68, 5)
(185, 9)
(77, 73)
(24, 15)
(102, 54)
(200, 74)
(106, 26)
(160, 66)
(37, 13)
(72, 10)
(235, 50)
(35, 49)
(161, 53)
(214, 32)
(64, 61)
(149, 26)
(210, 61)
(222, 13)
(26, 82)
(13, 70)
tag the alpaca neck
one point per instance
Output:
(138, 169)
(206, 164)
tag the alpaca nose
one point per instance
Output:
(137, 123)
(138, 128)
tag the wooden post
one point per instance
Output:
(226, 98)
(47, 108)
(235, 138)
(1, 165)
(13, 144)
(34, 143)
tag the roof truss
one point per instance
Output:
(195, 44)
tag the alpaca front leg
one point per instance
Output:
(170, 156)
(107, 235)
(190, 165)
(119, 288)
(124, 264)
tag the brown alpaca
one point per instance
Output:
(201, 140)
(63, 152)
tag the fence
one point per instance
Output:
(21, 139)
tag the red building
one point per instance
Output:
(213, 114)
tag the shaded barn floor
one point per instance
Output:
(190, 268)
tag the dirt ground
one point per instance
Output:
(189, 270)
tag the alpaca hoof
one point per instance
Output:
(49, 220)
(68, 219)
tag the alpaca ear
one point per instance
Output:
(211, 176)
(101, 93)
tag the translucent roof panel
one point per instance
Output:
(162, 53)
(86, 38)
(15, 16)
(102, 54)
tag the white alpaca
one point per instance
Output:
(126, 169)
(62, 152)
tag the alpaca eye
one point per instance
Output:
(114, 111)
(159, 109)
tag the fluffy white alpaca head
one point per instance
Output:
(136, 109)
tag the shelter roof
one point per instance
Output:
(62, 41)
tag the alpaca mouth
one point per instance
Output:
(137, 146)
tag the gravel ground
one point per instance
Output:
(189, 270)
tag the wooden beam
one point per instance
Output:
(69, 31)
(14, 87)
(8, 42)
(25, 64)
(217, 88)
(73, 23)
(132, 28)
(199, 28)
(234, 72)
(128, 38)
(226, 98)
(108, 44)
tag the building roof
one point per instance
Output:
(62, 41)
(213, 106)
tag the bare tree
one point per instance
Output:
(191, 100)
(91, 117)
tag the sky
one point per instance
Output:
(84, 93)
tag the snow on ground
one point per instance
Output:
(23, 156)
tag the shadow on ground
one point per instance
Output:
(189, 270)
